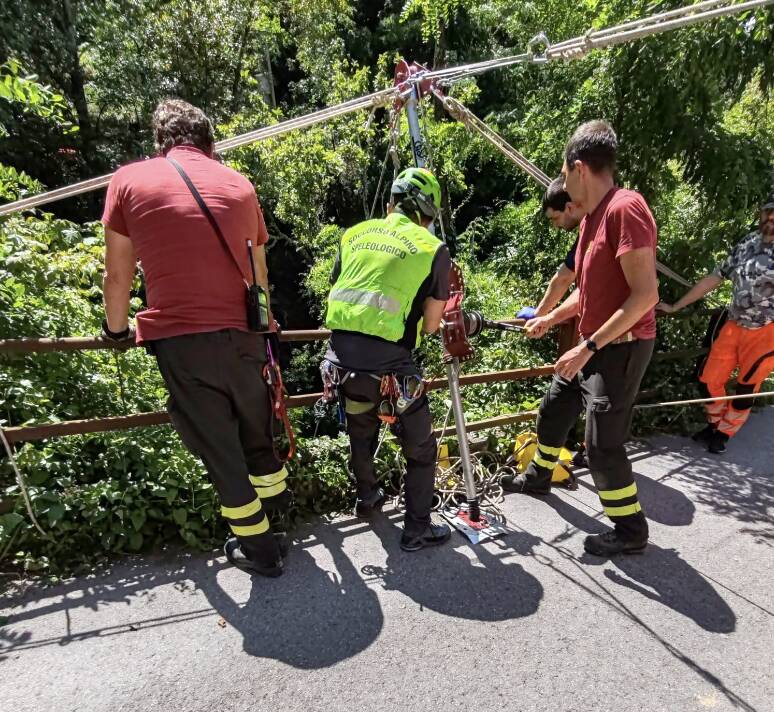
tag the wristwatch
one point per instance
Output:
(591, 346)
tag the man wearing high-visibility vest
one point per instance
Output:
(390, 283)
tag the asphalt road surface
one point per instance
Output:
(526, 622)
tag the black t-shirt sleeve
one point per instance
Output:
(336, 271)
(439, 275)
(569, 260)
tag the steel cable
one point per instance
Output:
(376, 99)
(568, 49)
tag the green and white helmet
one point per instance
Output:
(421, 185)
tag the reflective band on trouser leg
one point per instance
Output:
(546, 457)
(251, 529)
(353, 407)
(620, 502)
(270, 485)
(247, 520)
(548, 450)
(623, 511)
(715, 411)
(246, 510)
(732, 421)
(547, 464)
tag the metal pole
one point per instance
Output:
(452, 369)
(417, 142)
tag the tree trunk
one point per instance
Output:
(77, 80)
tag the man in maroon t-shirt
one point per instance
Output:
(195, 323)
(617, 291)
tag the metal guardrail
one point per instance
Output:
(139, 420)
(28, 433)
(90, 343)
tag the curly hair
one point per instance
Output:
(178, 123)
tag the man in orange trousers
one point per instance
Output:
(746, 340)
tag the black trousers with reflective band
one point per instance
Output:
(605, 388)
(415, 433)
(219, 404)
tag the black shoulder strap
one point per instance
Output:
(210, 217)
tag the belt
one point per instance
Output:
(624, 338)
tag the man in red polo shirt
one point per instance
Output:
(195, 323)
(615, 299)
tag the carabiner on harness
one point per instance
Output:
(411, 388)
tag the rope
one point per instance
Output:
(568, 49)
(380, 98)
(364, 170)
(21, 482)
(466, 117)
(765, 394)
(578, 47)
(391, 153)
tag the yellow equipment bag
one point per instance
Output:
(524, 451)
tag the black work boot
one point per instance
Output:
(434, 535)
(368, 506)
(283, 543)
(237, 557)
(611, 543)
(524, 484)
(705, 434)
(717, 443)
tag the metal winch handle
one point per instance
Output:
(475, 323)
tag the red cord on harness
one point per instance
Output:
(277, 394)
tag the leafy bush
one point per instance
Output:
(692, 110)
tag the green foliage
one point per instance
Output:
(434, 15)
(33, 97)
(692, 109)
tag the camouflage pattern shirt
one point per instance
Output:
(750, 267)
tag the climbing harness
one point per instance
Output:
(277, 394)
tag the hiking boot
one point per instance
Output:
(525, 485)
(283, 543)
(236, 557)
(366, 508)
(434, 535)
(610, 544)
(717, 443)
(704, 435)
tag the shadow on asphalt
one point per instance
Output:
(446, 581)
(730, 489)
(660, 574)
(137, 579)
(309, 618)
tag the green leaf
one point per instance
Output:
(179, 515)
(8, 523)
(55, 513)
(138, 518)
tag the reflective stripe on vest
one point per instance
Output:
(369, 299)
